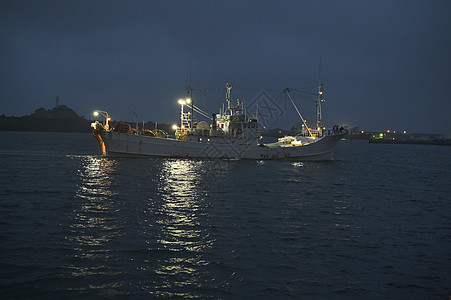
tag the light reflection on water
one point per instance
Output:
(96, 221)
(108, 248)
(181, 233)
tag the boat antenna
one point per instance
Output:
(189, 97)
(189, 93)
(188, 76)
(319, 68)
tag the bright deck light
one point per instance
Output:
(182, 102)
(174, 127)
(105, 114)
(188, 100)
(101, 112)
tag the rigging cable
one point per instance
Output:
(287, 92)
(200, 111)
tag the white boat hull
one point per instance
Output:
(126, 145)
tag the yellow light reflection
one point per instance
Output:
(95, 222)
(181, 231)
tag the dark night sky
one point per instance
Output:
(384, 64)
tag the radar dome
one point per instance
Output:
(203, 126)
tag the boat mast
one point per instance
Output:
(181, 116)
(319, 100)
(319, 122)
(189, 95)
(228, 97)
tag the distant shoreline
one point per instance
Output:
(44, 125)
(433, 142)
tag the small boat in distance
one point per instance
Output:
(232, 134)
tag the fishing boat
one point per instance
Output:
(231, 134)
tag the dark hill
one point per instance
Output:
(59, 119)
(61, 112)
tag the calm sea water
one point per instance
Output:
(373, 224)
